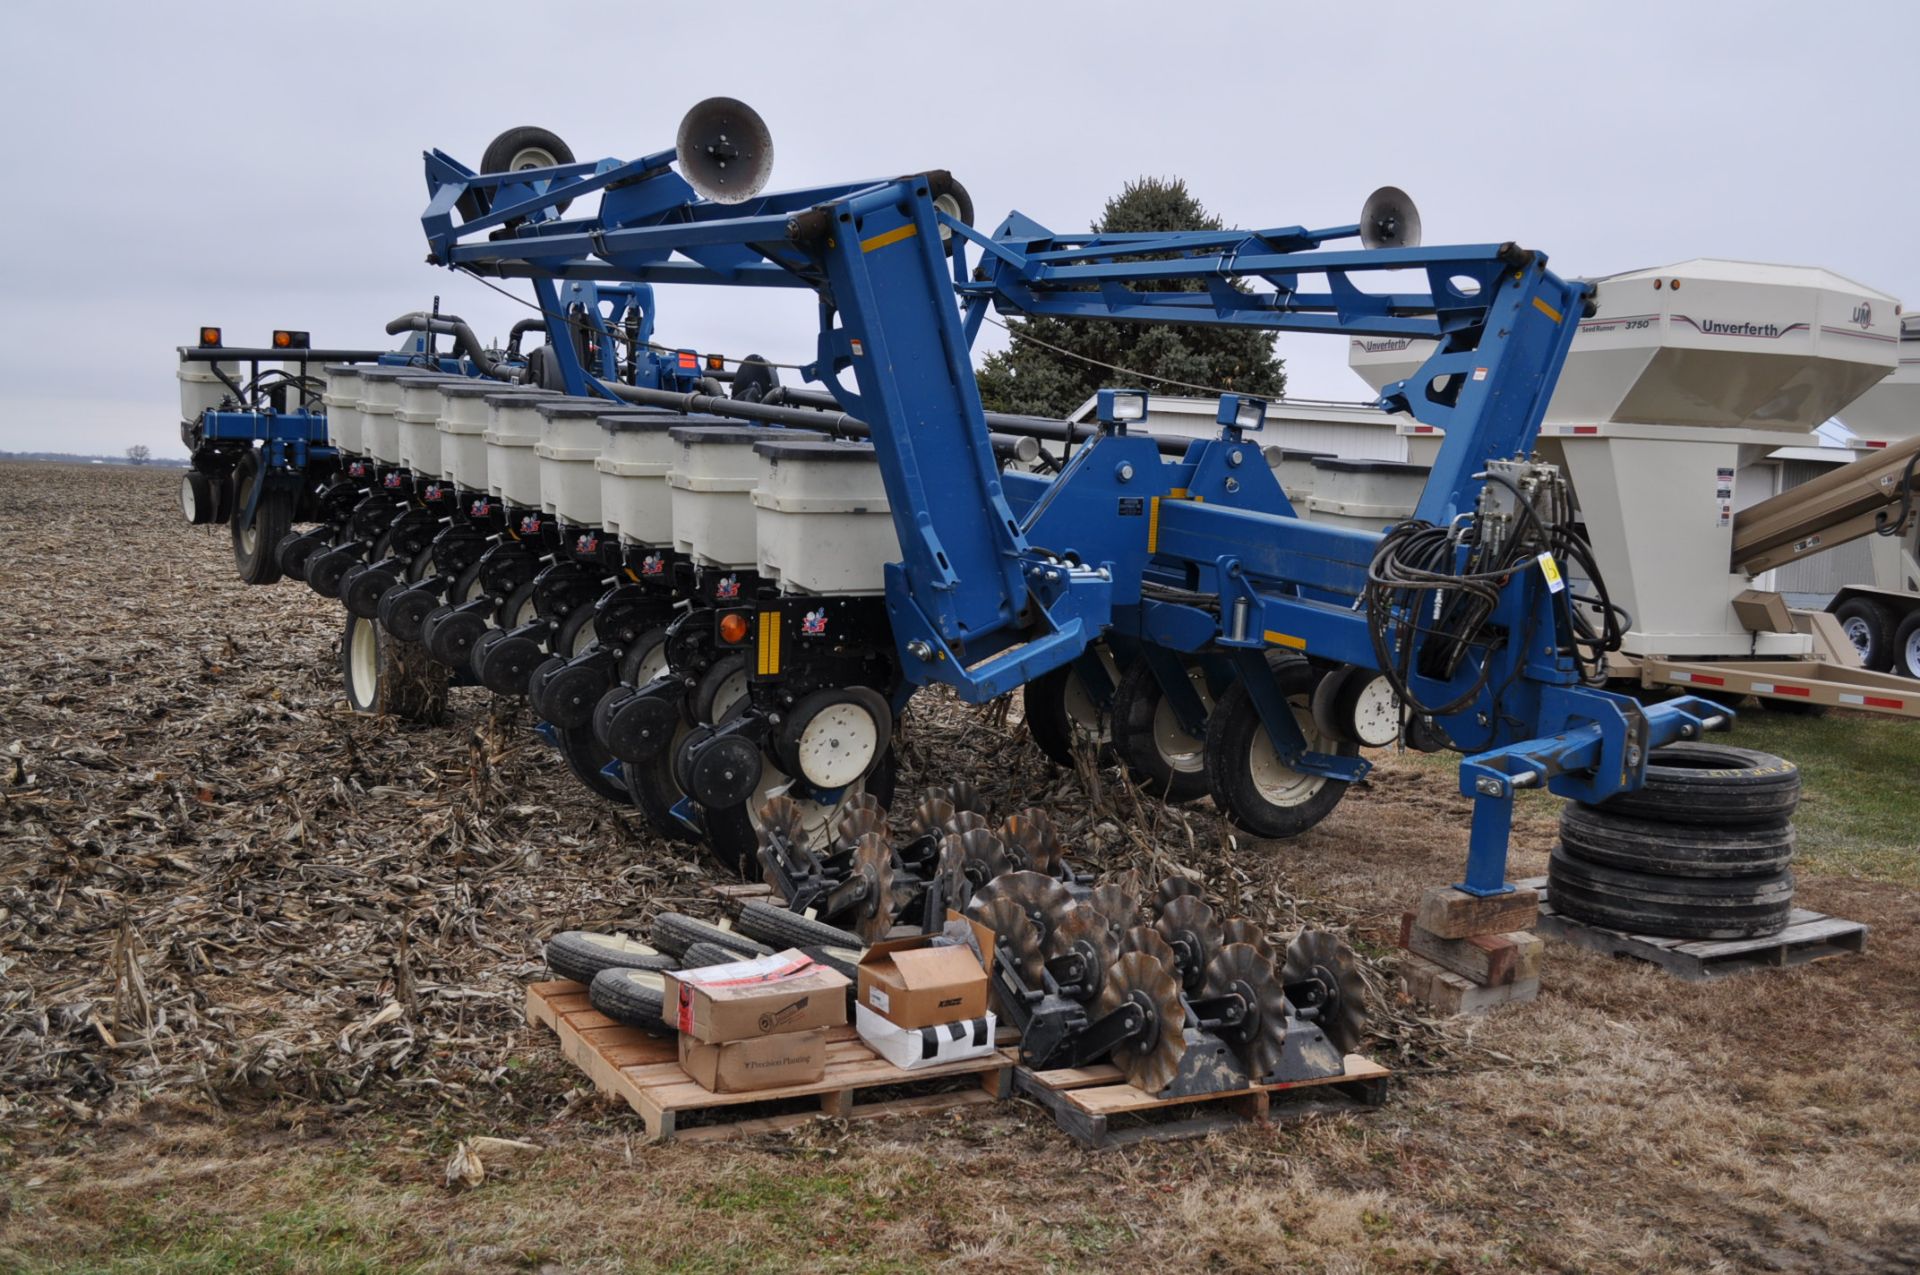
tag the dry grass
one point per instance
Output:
(205, 861)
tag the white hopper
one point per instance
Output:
(417, 423)
(463, 426)
(1364, 494)
(1890, 411)
(823, 521)
(201, 388)
(513, 431)
(713, 476)
(636, 504)
(380, 389)
(343, 408)
(570, 444)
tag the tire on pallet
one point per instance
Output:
(779, 928)
(1711, 784)
(1670, 907)
(384, 676)
(634, 997)
(1666, 848)
(581, 954)
(701, 955)
(675, 932)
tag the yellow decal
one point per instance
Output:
(1546, 309)
(769, 662)
(1285, 639)
(1153, 525)
(892, 236)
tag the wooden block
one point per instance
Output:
(1448, 913)
(1491, 960)
(1446, 992)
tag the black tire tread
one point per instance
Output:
(625, 998)
(675, 932)
(1670, 907)
(779, 928)
(1715, 783)
(581, 954)
(1664, 848)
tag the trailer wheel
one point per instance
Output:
(1870, 626)
(778, 928)
(1670, 907)
(515, 149)
(633, 997)
(255, 543)
(1906, 645)
(1164, 759)
(588, 760)
(384, 676)
(1664, 848)
(1711, 784)
(1249, 782)
(580, 955)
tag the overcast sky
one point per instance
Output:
(258, 165)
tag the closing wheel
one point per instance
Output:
(588, 760)
(1150, 1058)
(1870, 626)
(1318, 955)
(383, 675)
(1259, 792)
(1906, 645)
(733, 831)
(255, 541)
(1240, 969)
(833, 737)
(1163, 758)
(1060, 710)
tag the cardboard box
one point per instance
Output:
(763, 1062)
(766, 996)
(913, 982)
(910, 1048)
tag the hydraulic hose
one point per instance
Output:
(1039, 427)
(465, 343)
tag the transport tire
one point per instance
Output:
(1869, 624)
(1163, 758)
(1669, 907)
(517, 148)
(778, 928)
(701, 955)
(581, 954)
(634, 997)
(255, 542)
(1248, 781)
(1906, 645)
(675, 932)
(1711, 784)
(588, 760)
(733, 834)
(1664, 848)
(384, 676)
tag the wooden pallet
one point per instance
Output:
(1809, 936)
(1085, 1100)
(644, 1071)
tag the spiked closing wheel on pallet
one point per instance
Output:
(1016, 941)
(1188, 926)
(1044, 900)
(1242, 970)
(1144, 938)
(1238, 929)
(956, 887)
(1118, 906)
(1318, 956)
(852, 824)
(1082, 933)
(929, 816)
(961, 795)
(1175, 888)
(1151, 1059)
(966, 821)
(873, 865)
(1032, 836)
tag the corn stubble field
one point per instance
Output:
(261, 967)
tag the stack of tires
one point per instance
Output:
(1700, 851)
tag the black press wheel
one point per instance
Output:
(1711, 784)
(633, 997)
(256, 542)
(1669, 907)
(581, 954)
(1665, 848)
(588, 759)
(779, 928)
(1249, 782)
(1870, 625)
(383, 675)
(676, 932)
(1163, 758)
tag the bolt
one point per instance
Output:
(1234, 457)
(1123, 471)
(920, 649)
(1633, 754)
(1487, 786)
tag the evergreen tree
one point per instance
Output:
(1030, 378)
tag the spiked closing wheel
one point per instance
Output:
(1033, 834)
(1117, 906)
(1175, 888)
(966, 821)
(1083, 932)
(1043, 899)
(873, 863)
(851, 825)
(1151, 1059)
(1016, 940)
(1242, 970)
(1238, 929)
(1188, 926)
(1144, 938)
(930, 815)
(1316, 954)
(962, 795)
(956, 888)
